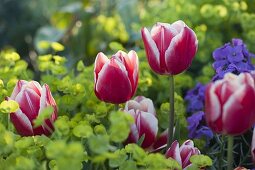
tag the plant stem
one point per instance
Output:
(116, 107)
(171, 113)
(230, 152)
(8, 122)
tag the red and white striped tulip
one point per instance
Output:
(32, 99)
(170, 48)
(141, 103)
(116, 78)
(143, 112)
(182, 154)
(229, 104)
(145, 124)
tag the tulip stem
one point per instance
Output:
(116, 107)
(171, 113)
(8, 122)
(230, 152)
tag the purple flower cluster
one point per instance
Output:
(196, 122)
(195, 98)
(197, 127)
(233, 58)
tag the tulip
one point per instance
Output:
(229, 104)
(141, 103)
(170, 48)
(146, 124)
(182, 154)
(32, 99)
(116, 78)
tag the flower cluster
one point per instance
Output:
(232, 57)
(195, 98)
(196, 122)
(197, 127)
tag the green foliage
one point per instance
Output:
(201, 161)
(120, 122)
(65, 155)
(9, 106)
(44, 114)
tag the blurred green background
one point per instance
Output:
(86, 27)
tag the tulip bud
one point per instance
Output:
(32, 99)
(170, 48)
(146, 124)
(182, 154)
(229, 104)
(116, 78)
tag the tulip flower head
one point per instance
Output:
(229, 104)
(32, 99)
(182, 154)
(143, 112)
(170, 48)
(116, 78)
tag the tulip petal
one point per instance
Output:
(238, 111)
(17, 88)
(185, 155)
(181, 51)
(48, 100)
(146, 105)
(131, 63)
(162, 35)
(100, 61)
(113, 84)
(213, 106)
(186, 151)
(246, 78)
(174, 152)
(21, 123)
(35, 86)
(147, 125)
(178, 25)
(161, 141)
(132, 104)
(134, 69)
(152, 51)
(134, 134)
(29, 102)
(139, 98)
(187, 143)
